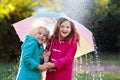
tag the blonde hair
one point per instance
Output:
(36, 30)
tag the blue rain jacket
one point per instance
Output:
(30, 59)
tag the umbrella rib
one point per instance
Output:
(49, 21)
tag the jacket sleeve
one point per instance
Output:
(27, 52)
(68, 58)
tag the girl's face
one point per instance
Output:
(65, 29)
(42, 35)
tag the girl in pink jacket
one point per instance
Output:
(62, 46)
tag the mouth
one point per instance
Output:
(64, 32)
(41, 39)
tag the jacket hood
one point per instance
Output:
(29, 37)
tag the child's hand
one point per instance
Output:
(46, 56)
(46, 53)
(42, 67)
(51, 69)
(50, 65)
(53, 60)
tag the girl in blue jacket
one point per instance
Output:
(30, 65)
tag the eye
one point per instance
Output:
(62, 26)
(45, 35)
(68, 26)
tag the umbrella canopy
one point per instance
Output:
(48, 20)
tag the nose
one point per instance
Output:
(41, 35)
(64, 28)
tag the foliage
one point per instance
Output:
(105, 18)
(19, 8)
(107, 76)
(8, 71)
(12, 11)
(111, 76)
(111, 59)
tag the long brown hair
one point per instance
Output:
(73, 32)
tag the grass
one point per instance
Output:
(107, 76)
(110, 59)
(9, 71)
(105, 60)
(111, 76)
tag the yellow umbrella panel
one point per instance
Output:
(83, 47)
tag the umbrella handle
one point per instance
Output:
(51, 43)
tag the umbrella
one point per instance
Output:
(48, 20)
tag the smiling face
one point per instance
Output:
(42, 35)
(65, 29)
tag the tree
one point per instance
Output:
(105, 24)
(12, 11)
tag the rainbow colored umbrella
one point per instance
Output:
(48, 20)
